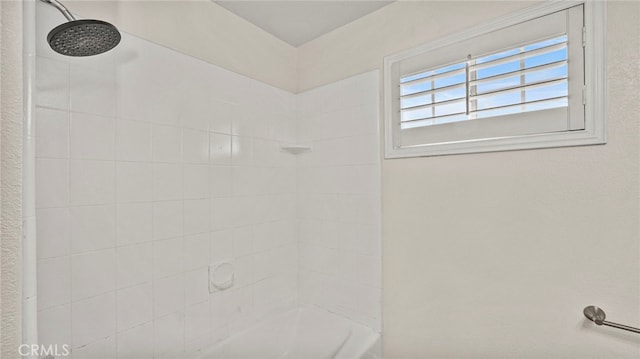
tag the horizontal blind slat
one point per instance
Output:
(528, 86)
(432, 91)
(430, 105)
(430, 78)
(518, 56)
(434, 118)
(520, 104)
(548, 66)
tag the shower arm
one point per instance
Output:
(598, 316)
(61, 8)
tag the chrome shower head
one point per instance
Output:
(81, 37)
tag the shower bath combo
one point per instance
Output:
(307, 330)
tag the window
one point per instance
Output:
(521, 82)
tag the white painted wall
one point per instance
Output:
(203, 29)
(495, 255)
(339, 199)
(150, 165)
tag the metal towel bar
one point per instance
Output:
(597, 315)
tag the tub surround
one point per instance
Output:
(150, 167)
(339, 199)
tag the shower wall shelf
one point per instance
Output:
(296, 149)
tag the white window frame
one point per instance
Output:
(594, 92)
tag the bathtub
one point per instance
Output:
(304, 333)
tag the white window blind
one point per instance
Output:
(518, 80)
(527, 78)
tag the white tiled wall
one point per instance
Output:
(339, 199)
(150, 166)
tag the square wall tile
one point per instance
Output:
(221, 213)
(134, 182)
(220, 180)
(196, 111)
(167, 182)
(54, 282)
(93, 319)
(195, 146)
(135, 306)
(266, 152)
(168, 257)
(92, 228)
(92, 137)
(222, 116)
(133, 141)
(136, 343)
(134, 223)
(134, 264)
(196, 181)
(247, 180)
(168, 336)
(241, 150)
(197, 322)
(242, 241)
(220, 149)
(167, 219)
(52, 83)
(169, 96)
(93, 273)
(219, 316)
(244, 271)
(52, 133)
(239, 304)
(92, 182)
(168, 296)
(52, 183)
(221, 246)
(196, 216)
(54, 326)
(52, 233)
(242, 122)
(196, 251)
(197, 286)
(228, 212)
(167, 144)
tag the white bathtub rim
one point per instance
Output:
(367, 336)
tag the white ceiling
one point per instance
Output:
(299, 21)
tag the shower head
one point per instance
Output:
(81, 37)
